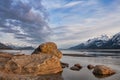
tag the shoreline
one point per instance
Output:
(67, 54)
(67, 73)
(78, 55)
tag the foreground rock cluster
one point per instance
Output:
(44, 60)
(98, 70)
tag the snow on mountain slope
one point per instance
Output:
(97, 41)
(116, 39)
(103, 42)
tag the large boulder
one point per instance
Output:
(44, 60)
(48, 48)
(36, 64)
(103, 70)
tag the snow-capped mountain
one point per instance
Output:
(103, 42)
(116, 39)
(3, 46)
(97, 41)
(24, 47)
(15, 47)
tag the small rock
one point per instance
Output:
(64, 65)
(90, 66)
(78, 65)
(75, 68)
(103, 70)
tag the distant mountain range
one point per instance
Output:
(3, 46)
(9, 46)
(103, 42)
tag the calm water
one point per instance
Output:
(111, 59)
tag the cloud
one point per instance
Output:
(61, 4)
(26, 19)
(71, 4)
(72, 21)
(86, 21)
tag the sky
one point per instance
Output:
(65, 22)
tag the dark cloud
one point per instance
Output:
(26, 19)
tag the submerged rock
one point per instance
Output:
(90, 66)
(48, 48)
(103, 70)
(76, 67)
(64, 65)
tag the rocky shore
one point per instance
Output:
(43, 64)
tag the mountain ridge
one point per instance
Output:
(103, 42)
(3, 46)
(14, 47)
